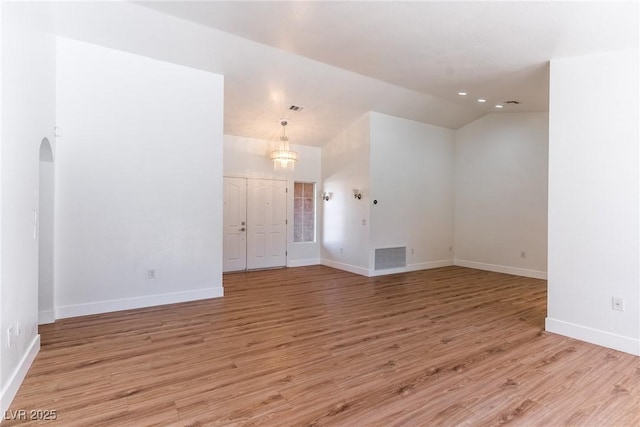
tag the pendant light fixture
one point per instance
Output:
(283, 158)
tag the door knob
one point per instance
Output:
(242, 229)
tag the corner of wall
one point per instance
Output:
(11, 386)
(593, 336)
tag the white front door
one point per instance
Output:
(235, 224)
(267, 223)
(255, 218)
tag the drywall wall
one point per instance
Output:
(249, 158)
(2, 384)
(594, 196)
(345, 166)
(407, 167)
(28, 116)
(501, 194)
(411, 177)
(138, 181)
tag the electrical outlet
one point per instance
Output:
(617, 303)
(523, 254)
(450, 248)
(340, 250)
(151, 273)
(411, 251)
(18, 329)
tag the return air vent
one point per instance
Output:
(391, 258)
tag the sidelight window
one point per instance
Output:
(304, 212)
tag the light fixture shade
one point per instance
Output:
(283, 158)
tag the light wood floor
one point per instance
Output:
(317, 346)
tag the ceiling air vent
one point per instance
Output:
(295, 108)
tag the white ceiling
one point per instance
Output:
(407, 59)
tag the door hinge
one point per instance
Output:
(286, 253)
(286, 189)
(286, 221)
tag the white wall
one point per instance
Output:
(3, 404)
(249, 158)
(28, 115)
(501, 194)
(407, 167)
(139, 181)
(594, 196)
(412, 169)
(345, 166)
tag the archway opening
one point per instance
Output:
(45, 234)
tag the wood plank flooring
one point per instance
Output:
(315, 346)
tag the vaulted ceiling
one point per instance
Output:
(339, 59)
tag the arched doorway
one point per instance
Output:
(45, 241)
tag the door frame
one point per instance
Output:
(287, 226)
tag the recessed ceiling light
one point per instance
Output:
(482, 100)
(462, 93)
(499, 106)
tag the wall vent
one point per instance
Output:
(391, 258)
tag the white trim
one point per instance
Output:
(45, 317)
(536, 274)
(412, 267)
(346, 267)
(593, 336)
(303, 262)
(373, 273)
(17, 376)
(137, 302)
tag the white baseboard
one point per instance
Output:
(373, 273)
(535, 274)
(303, 262)
(346, 267)
(17, 376)
(97, 307)
(412, 267)
(594, 336)
(47, 316)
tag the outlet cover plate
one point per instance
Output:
(617, 303)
